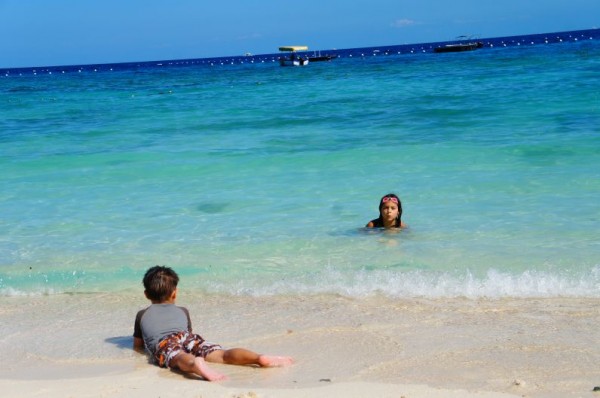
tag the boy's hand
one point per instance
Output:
(138, 344)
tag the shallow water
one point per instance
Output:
(256, 179)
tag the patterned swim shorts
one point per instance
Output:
(191, 343)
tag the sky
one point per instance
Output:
(75, 32)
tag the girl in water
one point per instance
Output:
(390, 213)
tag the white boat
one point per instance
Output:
(293, 59)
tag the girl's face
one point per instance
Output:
(389, 211)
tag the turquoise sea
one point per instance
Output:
(252, 179)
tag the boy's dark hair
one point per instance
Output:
(160, 282)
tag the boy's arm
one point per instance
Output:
(138, 344)
(138, 341)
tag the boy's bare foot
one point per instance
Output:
(203, 370)
(269, 361)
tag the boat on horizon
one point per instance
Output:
(319, 58)
(460, 46)
(293, 59)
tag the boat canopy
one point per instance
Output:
(293, 48)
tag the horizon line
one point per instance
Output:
(422, 44)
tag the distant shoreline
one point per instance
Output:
(394, 49)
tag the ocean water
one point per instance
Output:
(252, 179)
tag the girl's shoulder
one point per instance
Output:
(375, 223)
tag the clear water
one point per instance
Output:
(252, 179)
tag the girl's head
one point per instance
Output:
(390, 208)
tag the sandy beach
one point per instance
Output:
(79, 346)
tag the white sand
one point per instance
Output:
(78, 345)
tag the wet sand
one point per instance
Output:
(79, 345)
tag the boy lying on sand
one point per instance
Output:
(165, 330)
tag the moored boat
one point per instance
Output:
(458, 47)
(293, 59)
(464, 43)
(318, 57)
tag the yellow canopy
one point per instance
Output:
(293, 48)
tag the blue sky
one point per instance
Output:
(67, 32)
